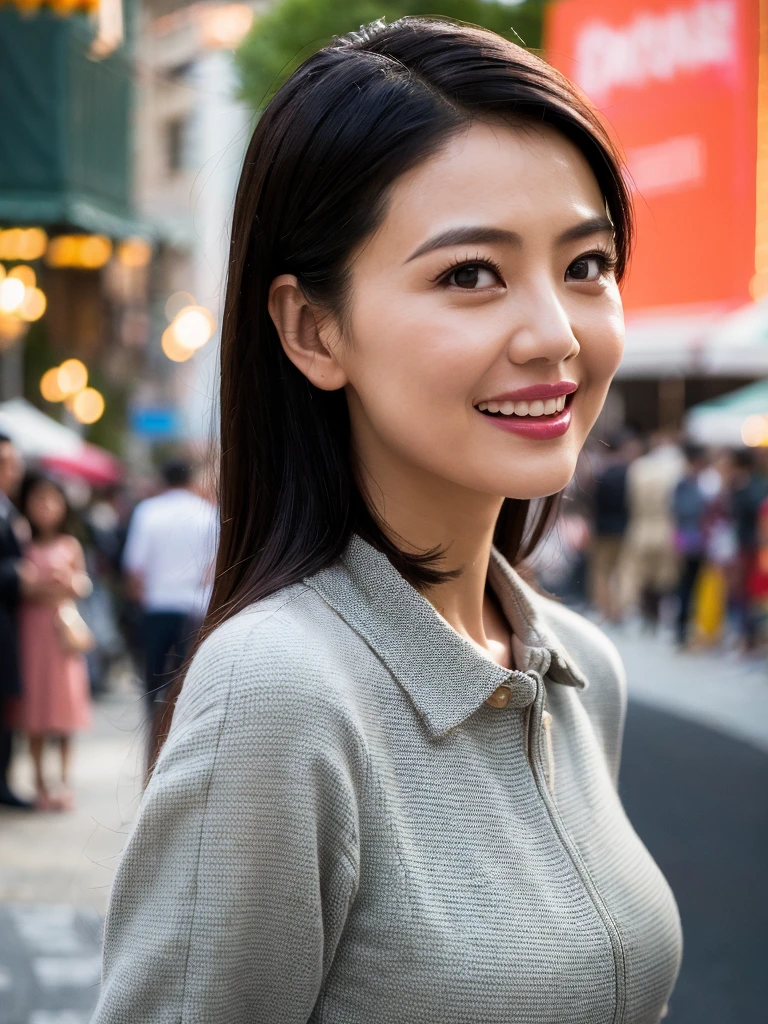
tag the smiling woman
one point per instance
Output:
(388, 793)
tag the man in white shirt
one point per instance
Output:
(168, 557)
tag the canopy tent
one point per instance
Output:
(58, 448)
(720, 420)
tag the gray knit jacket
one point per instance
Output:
(342, 829)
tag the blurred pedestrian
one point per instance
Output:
(651, 559)
(14, 574)
(168, 557)
(750, 489)
(611, 516)
(689, 507)
(55, 697)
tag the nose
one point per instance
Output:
(543, 330)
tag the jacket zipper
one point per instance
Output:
(542, 768)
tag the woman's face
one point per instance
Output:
(485, 323)
(46, 508)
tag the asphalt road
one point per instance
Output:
(699, 800)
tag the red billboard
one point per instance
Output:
(677, 83)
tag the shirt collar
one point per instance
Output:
(445, 676)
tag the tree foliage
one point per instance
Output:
(293, 29)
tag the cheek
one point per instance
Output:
(418, 360)
(601, 339)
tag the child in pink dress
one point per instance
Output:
(55, 700)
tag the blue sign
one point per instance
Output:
(159, 423)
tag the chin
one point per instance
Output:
(538, 476)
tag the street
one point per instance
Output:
(694, 781)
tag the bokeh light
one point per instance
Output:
(24, 274)
(87, 405)
(134, 252)
(11, 294)
(193, 327)
(33, 306)
(176, 352)
(95, 250)
(49, 385)
(73, 376)
(177, 302)
(87, 252)
(754, 431)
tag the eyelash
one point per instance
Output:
(608, 260)
(477, 261)
(607, 257)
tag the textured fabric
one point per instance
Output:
(341, 830)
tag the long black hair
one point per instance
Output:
(354, 117)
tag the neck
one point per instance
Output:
(423, 512)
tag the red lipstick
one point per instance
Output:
(541, 427)
(534, 391)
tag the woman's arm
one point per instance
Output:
(235, 885)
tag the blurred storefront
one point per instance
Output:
(191, 134)
(684, 85)
(73, 256)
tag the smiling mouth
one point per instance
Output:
(535, 409)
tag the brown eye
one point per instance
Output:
(587, 268)
(472, 275)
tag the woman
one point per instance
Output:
(55, 700)
(389, 789)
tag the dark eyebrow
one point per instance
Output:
(593, 226)
(477, 235)
(466, 236)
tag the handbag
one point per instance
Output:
(74, 634)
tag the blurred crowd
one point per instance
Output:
(93, 587)
(115, 584)
(668, 533)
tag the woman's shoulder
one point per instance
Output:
(277, 655)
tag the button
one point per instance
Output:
(500, 697)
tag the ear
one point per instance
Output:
(303, 337)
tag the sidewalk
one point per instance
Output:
(56, 870)
(710, 687)
(70, 858)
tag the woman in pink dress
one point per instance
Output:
(55, 700)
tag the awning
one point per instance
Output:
(738, 344)
(58, 448)
(720, 420)
(669, 341)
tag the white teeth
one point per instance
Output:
(535, 408)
